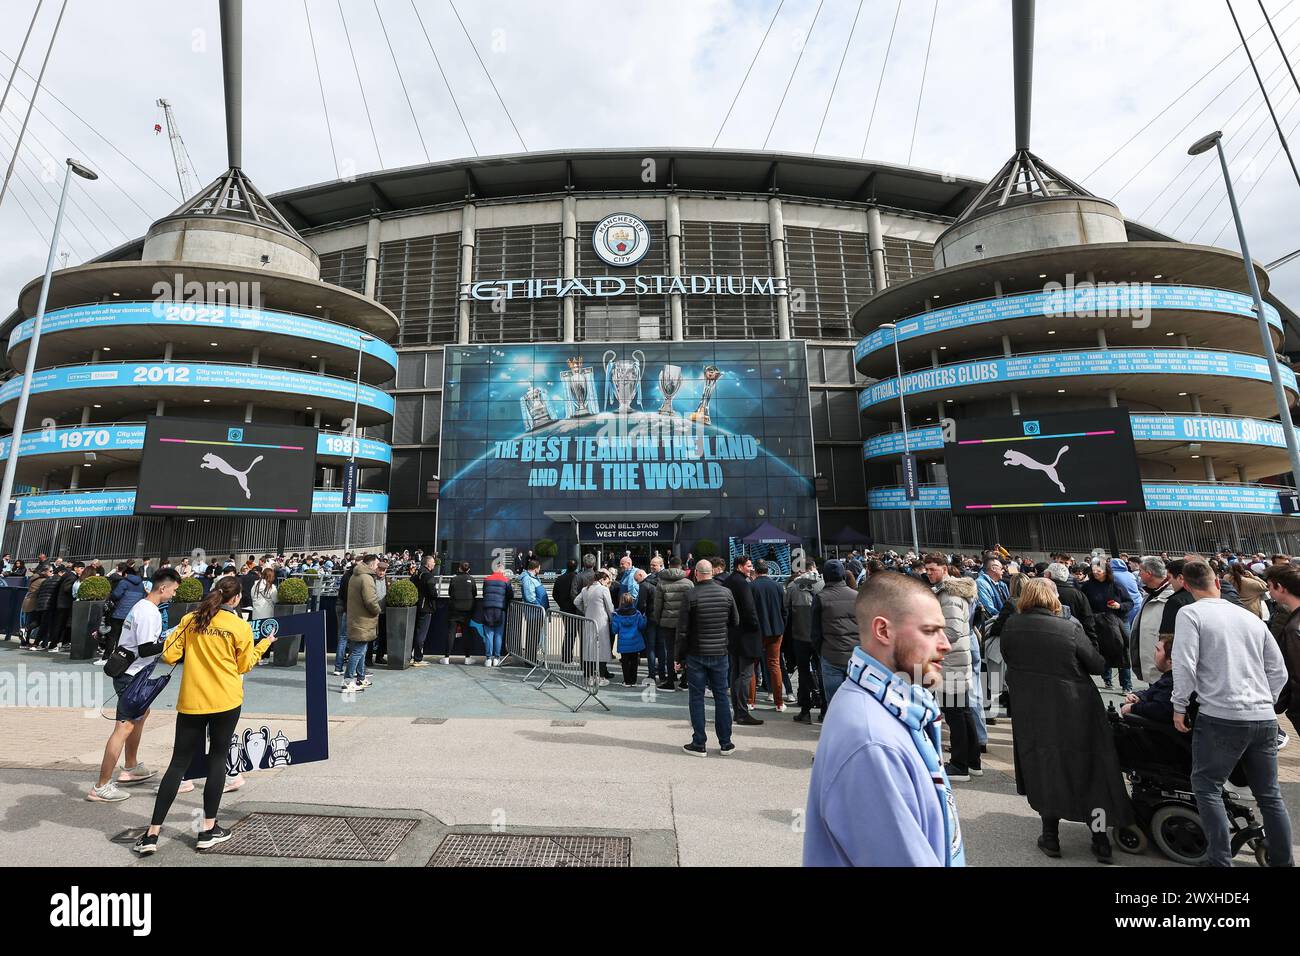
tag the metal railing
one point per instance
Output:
(564, 647)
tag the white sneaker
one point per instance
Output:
(446, 660)
(419, 663)
(351, 687)
(603, 681)
(781, 708)
(108, 793)
(364, 682)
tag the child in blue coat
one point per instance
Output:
(629, 630)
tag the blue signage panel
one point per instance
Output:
(182, 375)
(106, 504)
(1073, 364)
(1238, 499)
(1188, 428)
(1121, 300)
(131, 438)
(166, 314)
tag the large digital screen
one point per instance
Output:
(197, 467)
(1083, 460)
(634, 432)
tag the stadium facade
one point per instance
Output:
(462, 264)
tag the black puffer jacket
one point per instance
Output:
(670, 594)
(707, 614)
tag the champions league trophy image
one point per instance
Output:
(535, 411)
(670, 383)
(623, 379)
(711, 375)
(579, 389)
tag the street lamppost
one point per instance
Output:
(7, 487)
(907, 451)
(352, 439)
(1202, 145)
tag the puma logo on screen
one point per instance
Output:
(1022, 460)
(217, 463)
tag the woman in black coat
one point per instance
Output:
(1064, 751)
(1110, 607)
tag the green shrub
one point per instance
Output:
(705, 548)
(189, 591)
(402, 593)
(94, 589)
(292, 591)
(311, 573)
(546, 549)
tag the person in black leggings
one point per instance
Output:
(193, 731)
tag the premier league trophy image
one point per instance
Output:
(670, 383)
(534, 408)
(579, 389)
(623, 379)
(711, 375)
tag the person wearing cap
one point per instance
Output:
(834, 627)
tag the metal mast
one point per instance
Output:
(180, 155)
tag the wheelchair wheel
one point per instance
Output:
(1131, 839)
(1176, 830)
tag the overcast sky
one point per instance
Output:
(590, 73)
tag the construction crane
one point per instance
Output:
(181, 155)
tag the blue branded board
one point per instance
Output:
(1182, 428)
(1122, 300)
(183, 375)
(131, 438)
(642, 429)
(165, 314)
(105, 504)
(1237, 499)
(1073, 364)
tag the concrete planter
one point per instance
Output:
(399, 630)
(284, 652)
(86, 616)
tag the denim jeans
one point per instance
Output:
(714, 672)
(664, 651)
(356, 660)
(422, 621)
(340, 652)
(493, 637)
(1125, 677)
(832, 678)
(976, 701)
(1217, 746)
(651, 637)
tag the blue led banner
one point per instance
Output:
(1183, 428)
(1082, 301)
(131, 438)
(1235, 499)
(1073, 364)
(181, 375)
(105, 504)
(165, 314)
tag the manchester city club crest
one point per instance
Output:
(621, 240)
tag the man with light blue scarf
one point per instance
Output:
(879, 795)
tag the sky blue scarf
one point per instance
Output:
(914, 707)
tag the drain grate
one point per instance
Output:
(495, 849)
(312, 837)
(568, 723)
(429, 720)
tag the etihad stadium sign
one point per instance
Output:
(607, 286)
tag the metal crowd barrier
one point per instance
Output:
(562, 646)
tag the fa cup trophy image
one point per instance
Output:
(535, 411)
(623, 379)
(670, 383)
(711, 375)
(579, 389)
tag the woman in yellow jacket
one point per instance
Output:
(217, 645)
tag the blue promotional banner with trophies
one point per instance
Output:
(636, 429)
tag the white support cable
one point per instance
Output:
(21, 50)
(63, 239)
(880, 82)
(925, 69)
(392, 55)
(329, 131)
(838, 71)
(38, 172)
(447, 83)
(36, 91)
(356, 69)
(745, 78)
(1277, 151)
(807, 38)
(486, 73)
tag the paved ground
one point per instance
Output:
(471, 749)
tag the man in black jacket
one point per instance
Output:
(707, 615)
(584, 577)
(746, 642)
(562, 590)
(1074, 599)
(61, 605)
(1178, 600)
(426, 582)
(463, 592)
